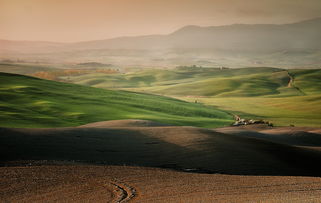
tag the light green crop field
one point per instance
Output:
(32, 102)
(284, 111)
(260, 93)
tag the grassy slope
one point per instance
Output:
(31, 102)
(309, 81)
(178, 81)
(250, 92)
(301, 109)
(197, 82)
(284, 111)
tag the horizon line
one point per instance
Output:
(132, 36)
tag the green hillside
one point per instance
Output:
(189, 80)
(281, 111)
(210, 81)
(31, 102)
(308, 81)
(262, 93)
(195, 81)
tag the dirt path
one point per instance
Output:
(291, 85)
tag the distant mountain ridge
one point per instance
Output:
(287, 40)
(301, 35)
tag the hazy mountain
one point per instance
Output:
(287, 44)
(242, 37)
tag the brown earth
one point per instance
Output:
(298, 136)
(175, 147)
(270, 157)
(137, 184)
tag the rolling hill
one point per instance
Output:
(144, 143)
(282, 96)
(107, 160)
(213, 82)
(32, 102)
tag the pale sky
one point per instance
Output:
(81, 20)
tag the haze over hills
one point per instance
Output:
(237, 37)
(296, 44)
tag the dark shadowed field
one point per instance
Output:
(188, 164)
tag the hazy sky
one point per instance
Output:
(79, 20)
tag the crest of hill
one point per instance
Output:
(124, 123)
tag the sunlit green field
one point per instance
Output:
(31, 102)
(260, 93)
(298, 110)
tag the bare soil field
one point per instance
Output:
(138, 184)
(143, 161)
(144, 143)
(308, 137)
